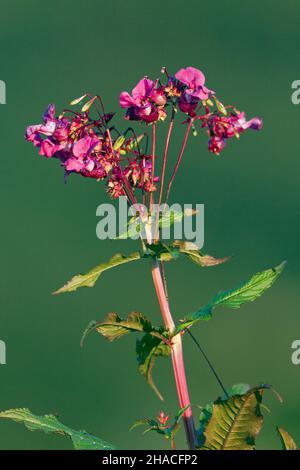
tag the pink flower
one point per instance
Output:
(216, 145)
(146, 102)
(140, 94)
(241, 124)
(80, 159)
(194, 80)
(48, 148)
(221, 128)
(187, 104)
(56, 131)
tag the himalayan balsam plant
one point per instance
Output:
(85, 142)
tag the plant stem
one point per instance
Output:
(153, 161)
(187, 132)
(177, 357)
(163, 173)
(162, 180)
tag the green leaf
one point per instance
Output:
(162, 251)
(89, 279)
(113, 327)
(194, 254)
(148, 349)
(170, 217)
(287, 441)
(234, 422)
(206, 412)
(50, 424)
(246, 292)
(166, 219)
(239, 389)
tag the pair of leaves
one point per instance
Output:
(246, 292)
(50, 424)
(153, 344)
(162, 251)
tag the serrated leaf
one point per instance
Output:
(246, 292)
(113, 327)
(170, 217)
(148, 349)
(287, 441)
(206, 412)
(194, 254)
(89, 279)
(234, 422)
(50, 424)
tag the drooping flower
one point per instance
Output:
(221, 128)
(139, 173)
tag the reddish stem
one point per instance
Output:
(124, 179)
(179, 159)
(177, 357)
(165, 160)
(163, 173)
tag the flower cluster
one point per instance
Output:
(85, 146)
(93, 148)
(148, 99)
(222, 127)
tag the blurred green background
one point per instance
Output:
(55, 51)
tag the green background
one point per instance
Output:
(54, 51)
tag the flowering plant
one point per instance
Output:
(87, 143)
